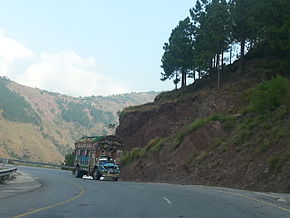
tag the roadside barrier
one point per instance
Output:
(6, 173)
(25, 162)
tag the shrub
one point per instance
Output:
(134, 154)
(269, 95)
(277, 161)
(156, 144)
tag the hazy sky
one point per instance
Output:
(87, 47)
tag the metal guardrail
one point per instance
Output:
(5, 173)
(36, 163)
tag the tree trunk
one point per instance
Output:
(218, 71)
(213, 62)
(231, 50)
(183, 79)
(176, 79)
(222, 59)
(243, 54)
(217, 61)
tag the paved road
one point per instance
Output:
(61, 195)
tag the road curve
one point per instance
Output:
(62, 195)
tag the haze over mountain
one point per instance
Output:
(43, 126)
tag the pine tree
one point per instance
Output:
(243, 23)
(178, 53)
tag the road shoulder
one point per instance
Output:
(22, 183)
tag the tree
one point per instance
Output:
(243, 23)
(274, 18)
(178, 53)
(212, 34)
(69, 160)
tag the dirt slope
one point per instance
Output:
(206, 136)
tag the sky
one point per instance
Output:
(87, 47)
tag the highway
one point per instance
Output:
(62, 195)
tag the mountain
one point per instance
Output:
(237, 136)
(43, 126)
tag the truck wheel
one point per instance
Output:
(96, 174)
(78, 173)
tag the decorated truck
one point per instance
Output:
(97, 156)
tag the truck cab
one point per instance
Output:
(107, 168)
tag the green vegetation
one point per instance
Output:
(270, 95)
(130, 109)
(100, 116)
(132, 155)
(197, 158)
(154, 145)
(79, 113)
(75, 113)
(265, 121)
(15, 107)
(198, 123)
(69, 160)
(199, 44)
(278, 161)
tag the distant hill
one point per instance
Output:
(43, 126)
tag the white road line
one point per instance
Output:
(169, 202)
(271, 196)
(267, 195)
(138, 187)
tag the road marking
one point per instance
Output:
(169, 202)
(272, 196)
(135, 186)
(253, 199)
(82, 191)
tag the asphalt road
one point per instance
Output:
(62, 195)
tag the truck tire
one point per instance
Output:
(78, 173)
(96, 174)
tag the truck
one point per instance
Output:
(97, 156)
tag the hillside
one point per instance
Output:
(43, 126)
(237, 136)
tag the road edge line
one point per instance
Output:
(250, 198)
(82, 191)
